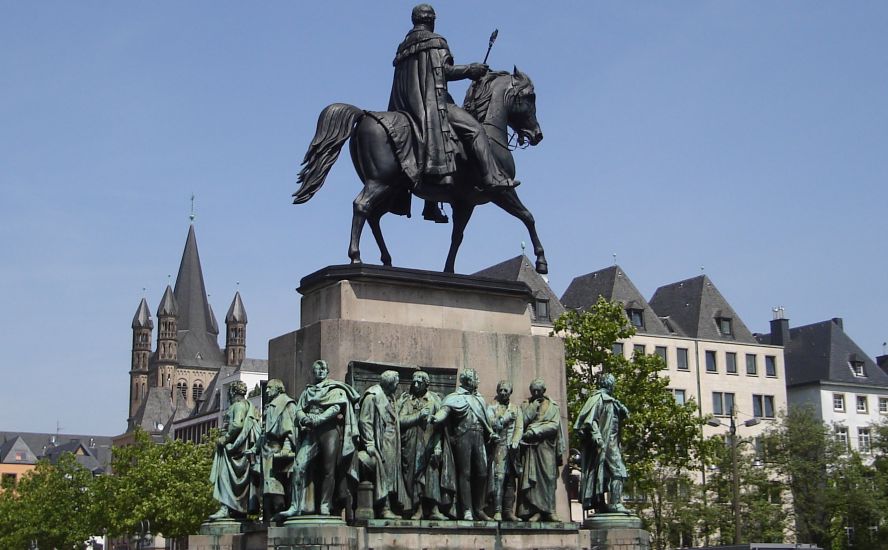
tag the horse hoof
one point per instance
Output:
(542, 267)
(356, 261)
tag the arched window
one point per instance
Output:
(197, 390)
(182, 386)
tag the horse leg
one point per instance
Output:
(380, 242)
(461, 214)
(508, 200)
(364, 206)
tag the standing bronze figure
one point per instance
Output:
(427, 146)
(276, 448)
(426, 458)
(602, 466)
(508, 423)
(380, 455)
(542, 452)
(232, 477)
(328, 431)
(470, 430)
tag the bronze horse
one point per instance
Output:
(498, 100)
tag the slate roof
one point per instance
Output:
(168, 305)
(613, 284)
(161, 406)
(693, 305)
(254, 365)
(142, 318)
(821, 352)
(236, 312)
(198, 330)
(519, 268)
(96, 454)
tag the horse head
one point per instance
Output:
(521, 104)
(502, 99)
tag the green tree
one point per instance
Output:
(661, 437)
(51, 505)
(166, 484)
(761, 493)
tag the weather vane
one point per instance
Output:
(191, 216)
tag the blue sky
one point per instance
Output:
(747, 138)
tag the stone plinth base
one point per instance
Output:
(615, 539)
(229, 535)
(426, 535)
(612, 521)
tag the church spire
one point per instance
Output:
(236, 333)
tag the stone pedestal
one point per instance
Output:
(229, 535)
(615, 539)
(420, 319)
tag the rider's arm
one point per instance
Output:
(473, 71)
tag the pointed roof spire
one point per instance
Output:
(168, 305)
(198, 329)
(236, 313)
(142, 319)
(191, 293)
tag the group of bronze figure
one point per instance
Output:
(425, 457)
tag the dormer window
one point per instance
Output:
(856, 366)
(636, 317)
(541, 312)
(724, 326)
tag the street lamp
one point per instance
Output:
(735, 478)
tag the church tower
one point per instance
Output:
(167, 340)
(142, 327)
(236, 333)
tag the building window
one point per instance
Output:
(660, 351)
(771, 366)
(711, 365)
(862, 404)
(883, 405)
(722, 403)
(197, 391)
(842, 436)
(20, 456)
(763, 406)
(636, 318)
(751, 364)
(863, 440)
(638, 349)
(731, 362)
(681, 356)
(617, 349)
(724, 326)
(679, 396)
(542, 310)
(857, 369)
(839, 402)
(8, 480)
(182, 386)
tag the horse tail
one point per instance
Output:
(336, 124)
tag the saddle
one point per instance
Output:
(404, 138)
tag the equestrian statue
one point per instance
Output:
(426, 145)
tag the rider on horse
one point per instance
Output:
(423, 66)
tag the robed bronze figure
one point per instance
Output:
(542, 452)
(328, 430)
(426, 458)
(470, 429)
(602, 468)
(276, 448)
(234, 485)
(380, 454)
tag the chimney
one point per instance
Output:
(779, 327)
(882, 360)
